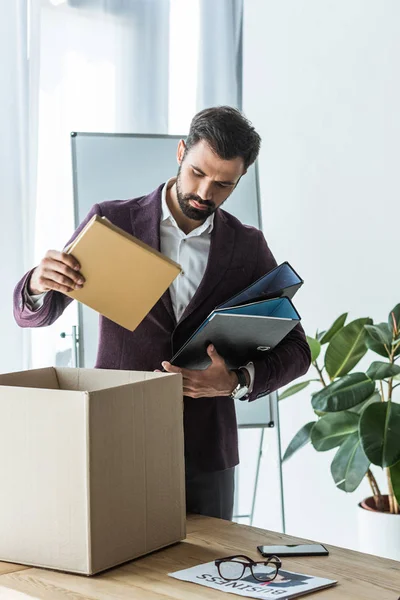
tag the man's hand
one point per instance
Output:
(216, 380)
(56, 271)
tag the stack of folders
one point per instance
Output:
(248, 325)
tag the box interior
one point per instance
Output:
(81, 380)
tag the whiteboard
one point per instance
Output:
(121, 166)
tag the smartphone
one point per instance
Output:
(294, 550)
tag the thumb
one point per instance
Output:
(213, 354)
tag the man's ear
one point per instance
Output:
(181, 151)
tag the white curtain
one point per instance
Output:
(104, 68)
(18, 158)
(92, 65)
(220, 53)
(205, 58)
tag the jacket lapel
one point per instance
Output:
(219, 259)
(145, 221)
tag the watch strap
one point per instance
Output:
(242, 380)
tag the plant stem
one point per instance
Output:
(382, 394)
(393, 504)
(390, 389)
(375, 490)
(321, 377)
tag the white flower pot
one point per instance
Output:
(378, 532)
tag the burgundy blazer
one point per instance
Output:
(238, 256)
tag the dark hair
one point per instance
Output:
(228, 133)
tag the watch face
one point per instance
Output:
(240, 393)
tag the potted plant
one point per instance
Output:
(358, 414)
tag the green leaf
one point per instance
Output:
(346, 348)
(332, 429)
(379, 337)
(350, 464)
(376, 397)
(319, 335)
(395, 477)
(380, 333)
(315, 348)
(301, 438)
(394, 314)
(344, 393)
(381, 370)
(376, 346)
(294, 389)
(380, 433)
(337, 326)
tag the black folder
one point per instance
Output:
(250, 323)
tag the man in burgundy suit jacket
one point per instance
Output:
(220, 256)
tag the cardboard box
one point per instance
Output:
(92, 469)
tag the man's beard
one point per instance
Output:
(191, 212)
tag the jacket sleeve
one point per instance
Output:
(291, 358)
(54, 302)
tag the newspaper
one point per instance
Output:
(286, 585)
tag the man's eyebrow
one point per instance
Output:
(202, 172)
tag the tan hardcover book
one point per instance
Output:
(124, 276)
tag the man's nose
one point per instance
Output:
(205, 190)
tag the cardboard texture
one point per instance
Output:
(93, 467)
(124, 276)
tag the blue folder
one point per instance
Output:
(281, 281)
(246, 325)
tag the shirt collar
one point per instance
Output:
(167, 215)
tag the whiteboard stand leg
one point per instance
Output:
(276, 415)
(75, 345)
(253, 504)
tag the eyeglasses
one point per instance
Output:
(232, 568)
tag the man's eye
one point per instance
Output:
(223, 185)
(197, 174)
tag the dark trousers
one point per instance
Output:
(210, 494)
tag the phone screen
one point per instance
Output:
(294, 550)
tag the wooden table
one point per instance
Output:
(360, 576)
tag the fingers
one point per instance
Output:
(192, 393)
(64, 258)
(48, 284)
(171, 368)
(57, 271)
(63, 278)
(66, 265)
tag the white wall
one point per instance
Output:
(322, 86)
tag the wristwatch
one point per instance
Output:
(242, 388)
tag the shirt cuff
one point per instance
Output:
(34, 301)
(252, 374)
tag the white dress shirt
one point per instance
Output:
(191, 251)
